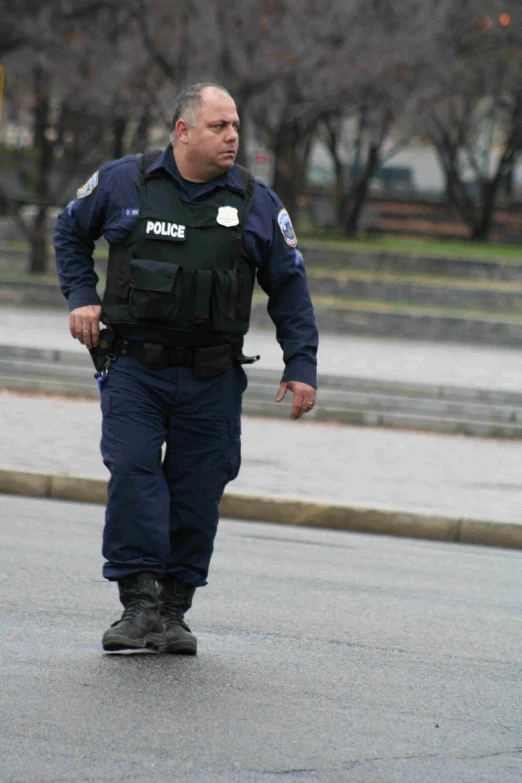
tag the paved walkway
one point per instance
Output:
(451, 475)
(472, 366)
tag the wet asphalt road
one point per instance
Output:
(324, 656)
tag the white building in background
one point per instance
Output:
(418, 164)
(16, 135)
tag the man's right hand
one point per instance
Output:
(84, 323)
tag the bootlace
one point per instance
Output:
(173, 610)
(130, 613)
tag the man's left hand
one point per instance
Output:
(304, 397)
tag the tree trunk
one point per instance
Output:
(484, 223)
(119, 126)
(476, 213)
(291, 154)
(38, 257)
(352, 215)
(141, 137)
(242, 157)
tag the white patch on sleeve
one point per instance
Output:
(298, 260)
(287, 229)
(89, 186)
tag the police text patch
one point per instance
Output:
(287, 229)
(160, 229)
(89, 186)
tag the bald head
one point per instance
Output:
(191, 99)
(205, 133)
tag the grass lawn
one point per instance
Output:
(415, 246)
(418, 247)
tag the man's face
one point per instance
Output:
(211, 145)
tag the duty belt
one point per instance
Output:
(205, 361)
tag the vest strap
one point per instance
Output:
(232, 299)
(203, 284)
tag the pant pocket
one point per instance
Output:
(234, 451)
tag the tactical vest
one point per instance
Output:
(183, 269)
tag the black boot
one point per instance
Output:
(139, 596)
(175, 599)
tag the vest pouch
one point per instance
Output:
(244, 298)
(224, 300)
(153, 290)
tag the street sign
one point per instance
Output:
(261, 164)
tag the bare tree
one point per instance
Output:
(307, 54)
(385, 64)
(473, 115)
(74, 84)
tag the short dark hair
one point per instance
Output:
(189, 101)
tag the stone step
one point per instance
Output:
(53, 362)
(323, 257)
(413, 421)
(485, 413)
(491, 297)
(343, 316)
(381, 319)
(393, 419)
(380, 400)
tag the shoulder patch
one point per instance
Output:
(287, 229)
(89, 186)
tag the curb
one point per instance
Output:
(286, 511)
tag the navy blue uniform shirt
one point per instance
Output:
(109, 204)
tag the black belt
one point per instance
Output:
(206, 361)
(156, 356)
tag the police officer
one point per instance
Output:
(188, 233)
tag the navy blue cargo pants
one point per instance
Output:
(162, 514)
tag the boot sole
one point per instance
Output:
(173, 648)
(124, 643)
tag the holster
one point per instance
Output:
(106, 348)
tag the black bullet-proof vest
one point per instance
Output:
(183, 268)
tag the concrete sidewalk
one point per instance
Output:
(404, 483)
(446, 364)
(417, 474)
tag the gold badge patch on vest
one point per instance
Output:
(227, 216)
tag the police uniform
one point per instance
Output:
(183, 258)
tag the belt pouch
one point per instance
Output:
(153, 356)
(212, 361)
